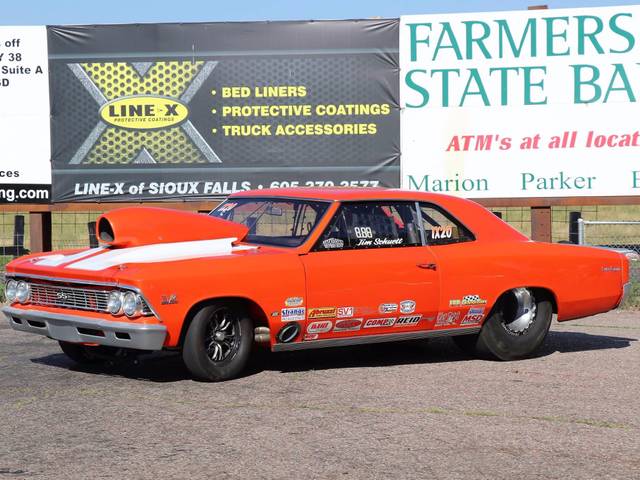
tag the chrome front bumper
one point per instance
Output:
(77, 329)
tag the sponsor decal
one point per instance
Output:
(407, 306)
(379, 242)
(472, 300)
(322, 326)
(388, 308)
(310, 336)
(322, 312)
(611, 269)
(467, 300)
(446, 319)
(333, 243)
(275, 314)
(293, 314)
(348, 325)
(226, 207)
(441, 232)
(379, 322)
(473, 317)
(363, 232)
(167, 299)
(294, 301)
(408, 321)
(345, 312)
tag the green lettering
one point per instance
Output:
(628, 36)
(479, 41)
(453, 43)
(413, 38)
(620, 72)
(583, 35)
(417, 88)
(474, 78)
(504, 30)
(529, 85)
(579, 82)
(504, 81)
(445, 82)
(552, 35)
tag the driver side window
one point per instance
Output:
(365, 225)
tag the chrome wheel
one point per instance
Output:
(222, 336)
(520, 313)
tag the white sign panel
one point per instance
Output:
(522, 104)
(25, 144)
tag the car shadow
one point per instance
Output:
(166, 367)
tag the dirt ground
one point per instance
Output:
(403, 411)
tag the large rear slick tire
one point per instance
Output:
(516, 328)
(218, 342)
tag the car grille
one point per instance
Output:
(69, 297)
(77, 298)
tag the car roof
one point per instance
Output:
(483, 223)
(339, 193)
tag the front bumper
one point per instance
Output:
(626, 291)
(77, 329)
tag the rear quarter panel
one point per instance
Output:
(583, 280)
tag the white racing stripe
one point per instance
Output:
(59, 259)
(160, 252)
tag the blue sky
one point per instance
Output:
(39, 12)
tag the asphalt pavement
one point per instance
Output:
(407, 410)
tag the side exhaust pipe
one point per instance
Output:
(262, 335)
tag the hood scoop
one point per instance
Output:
(137, 226)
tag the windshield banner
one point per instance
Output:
(177, 111)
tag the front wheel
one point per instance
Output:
(82, 354)
(218, 342)
(516, 328)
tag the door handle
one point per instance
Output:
(428, 266)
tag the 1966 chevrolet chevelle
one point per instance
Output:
(307, 268)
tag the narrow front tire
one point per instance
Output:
(218, 342)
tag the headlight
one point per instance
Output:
(131, 304)
(114, 305)
(10, 290)
(23, 292)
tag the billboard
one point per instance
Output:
(521, 104)
(165, 111)
(25, 167)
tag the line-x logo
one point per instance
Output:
(143, 108)
(144, 112)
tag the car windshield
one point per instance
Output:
(273, 221)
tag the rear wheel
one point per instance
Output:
(516, 328)
(218, 342)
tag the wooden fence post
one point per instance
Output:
(541, 224)
(40, 231)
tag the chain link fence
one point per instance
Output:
(621, 229)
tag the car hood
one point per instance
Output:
(137, 226)
(139, 235)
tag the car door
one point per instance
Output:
(370, 274)
(464, 273)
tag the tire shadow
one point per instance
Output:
(167, 367)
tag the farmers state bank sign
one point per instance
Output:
(522, 104)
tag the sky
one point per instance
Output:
(52, 12)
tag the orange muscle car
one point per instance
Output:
(307, 268)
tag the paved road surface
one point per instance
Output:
(402, 411)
